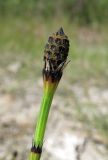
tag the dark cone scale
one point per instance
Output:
(55, 55)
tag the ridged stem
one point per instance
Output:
(43, 114)
(49, 90)
(34, 156)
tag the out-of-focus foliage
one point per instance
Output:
(83, 11)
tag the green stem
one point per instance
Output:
(48, 94)
(34, 156)
(43, 115)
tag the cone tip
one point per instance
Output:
(60, 32)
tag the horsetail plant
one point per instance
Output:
(55, 57)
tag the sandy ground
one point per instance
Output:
(66, 138)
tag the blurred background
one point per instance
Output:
(78, 122)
